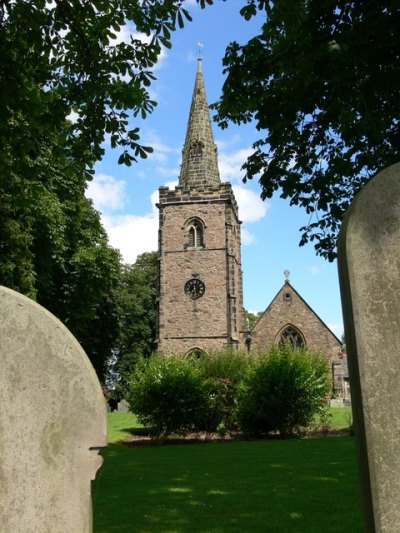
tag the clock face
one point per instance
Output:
(194, 288)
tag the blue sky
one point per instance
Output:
(126, 196)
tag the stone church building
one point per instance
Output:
(200, 303)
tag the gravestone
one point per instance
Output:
(52, 422)
(123, 406)
(369, 270)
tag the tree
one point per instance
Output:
(251, 318)
(55, 250)
(66, 56)
(59, 58)
(137, 309)
(322, 83)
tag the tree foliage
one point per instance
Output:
(55, 250)
(68, 56)
(321, 81)
(137, 312)
(251, 318)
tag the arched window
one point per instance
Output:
(291, 335)
(195, 233)
(195, 353)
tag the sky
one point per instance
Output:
(126, 196)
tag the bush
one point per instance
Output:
(167, 395)
(226, 364)
(283, 392)
(220, 406)
(222, 372)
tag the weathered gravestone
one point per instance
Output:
(123, 406)
(369, 269)
(52, 422)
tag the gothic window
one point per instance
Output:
(291, 335)
(195, 233)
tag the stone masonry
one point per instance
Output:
(289, 309)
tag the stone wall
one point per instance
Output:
(288, 307)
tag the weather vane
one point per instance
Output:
(200, 47)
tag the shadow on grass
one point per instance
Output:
(266, 486)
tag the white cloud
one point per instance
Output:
(168, 172)
(124, 34)
(161, 150)
(73, 117)
(132, 235)
(223, 144)
(247, 237)
(106, 192)
(154, 194)
(314, 270)
(230, 164)
(251, 207)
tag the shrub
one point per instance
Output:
(222, 372)
(219, 413)
(167, 395)
(226, 364)
(283, 391)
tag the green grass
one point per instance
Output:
(121, 425)
(295, 485)
(341, 417)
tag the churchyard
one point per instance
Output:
(291, 485)
(53, 422)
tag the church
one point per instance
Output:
(200, 300)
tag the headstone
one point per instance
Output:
(52, 422)
(123, 406)
(369, 269)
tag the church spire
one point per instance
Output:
(199, 157)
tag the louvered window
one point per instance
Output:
(195, 235)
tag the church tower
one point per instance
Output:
(200, 278)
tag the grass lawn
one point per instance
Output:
(341, 417)
(294, 485)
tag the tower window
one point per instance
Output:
(291, 335)
(195, 233)
(196, 149)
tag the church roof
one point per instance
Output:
(199, 168)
